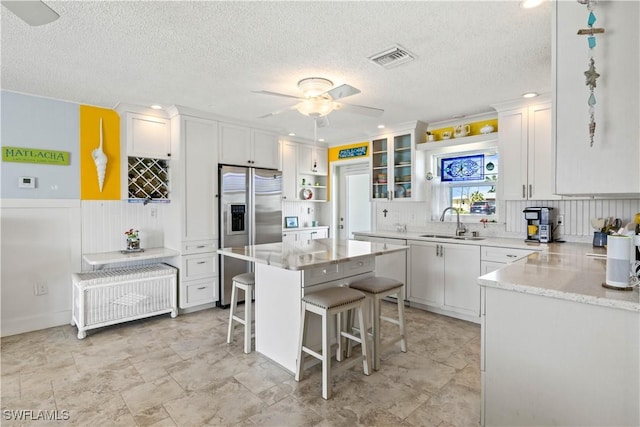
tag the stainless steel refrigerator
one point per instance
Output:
(250, 208)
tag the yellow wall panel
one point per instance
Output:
(89, 141)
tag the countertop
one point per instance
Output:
(572, 276)
(556, 270)
(308, 254)
(102, 258)
(484, 241)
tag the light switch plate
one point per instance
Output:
(27, 182)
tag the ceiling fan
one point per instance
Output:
(319, 98)
(34, 13)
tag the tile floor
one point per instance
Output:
(181, 372)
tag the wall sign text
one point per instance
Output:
(35, 155)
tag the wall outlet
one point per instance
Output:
(40, 288)
(560, 220)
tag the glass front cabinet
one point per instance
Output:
(397, 169)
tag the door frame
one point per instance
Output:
(336, 169)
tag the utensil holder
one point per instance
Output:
(599, 239)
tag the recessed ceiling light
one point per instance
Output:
(529, 4)
(530, 95)
(380, 126)
(156, 107)
(292, 134)
(320, 139)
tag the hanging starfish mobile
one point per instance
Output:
(591, 75)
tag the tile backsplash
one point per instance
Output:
(417, 216)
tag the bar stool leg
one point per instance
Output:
(232, 312)
(326, 357)
(364, 344)
(403, 336)
(304, 322)
(376, 333)
(248, 315)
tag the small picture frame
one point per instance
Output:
(291, 222)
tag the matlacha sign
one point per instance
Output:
(353, 152)
(35, 155)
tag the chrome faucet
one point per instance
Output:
(460, 227)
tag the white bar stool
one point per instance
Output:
(245, 282)
(326, 303)
(375, 288)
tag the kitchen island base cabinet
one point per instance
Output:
(548, 361)
(278, 294)
(444, 278)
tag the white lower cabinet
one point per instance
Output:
(306, 234)
(444, 276)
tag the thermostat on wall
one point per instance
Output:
(27, 182)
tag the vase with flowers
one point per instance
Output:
(133, 240)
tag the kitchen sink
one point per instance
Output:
(447, 236)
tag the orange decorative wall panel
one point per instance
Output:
(99, 154)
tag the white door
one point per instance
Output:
(354, 206)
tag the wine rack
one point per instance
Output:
(148, 179)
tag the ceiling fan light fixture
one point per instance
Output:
(316, 107)
(314, 86)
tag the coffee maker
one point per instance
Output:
(540, 222)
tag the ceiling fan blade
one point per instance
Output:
(361, 109)
(342, 91)
(34, 13)
(266, 92)
(274, 113)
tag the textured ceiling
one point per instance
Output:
(211, 55)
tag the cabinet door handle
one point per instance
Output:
(511, 256)
(200, 246)
(202, 287)
(201, 262)
(360, 264)
(530, 190)
(524, 192)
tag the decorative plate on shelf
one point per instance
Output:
(307, 194)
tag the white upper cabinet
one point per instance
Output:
(244, 146)
(526, 159)
(289, 171)
(397, 169)
(610, 166)
(148, 136)
(312, 160)
(266, 149)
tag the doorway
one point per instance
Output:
(353, 212)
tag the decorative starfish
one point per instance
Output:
(591, 74)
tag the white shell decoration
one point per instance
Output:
(100, 160)
(486, 129)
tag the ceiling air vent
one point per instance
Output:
(392, 57)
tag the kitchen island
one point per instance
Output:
(557, 347)
(285, 272)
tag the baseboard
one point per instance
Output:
(34, 323)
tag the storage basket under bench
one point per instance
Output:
(110, 296)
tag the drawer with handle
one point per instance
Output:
(321, 274)
(199, 246)
(196, 266)
(198, 292)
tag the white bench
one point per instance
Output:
(110, 296)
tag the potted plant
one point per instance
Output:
(133, 240)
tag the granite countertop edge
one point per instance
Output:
(563, 295)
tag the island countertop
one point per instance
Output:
(308, 254)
